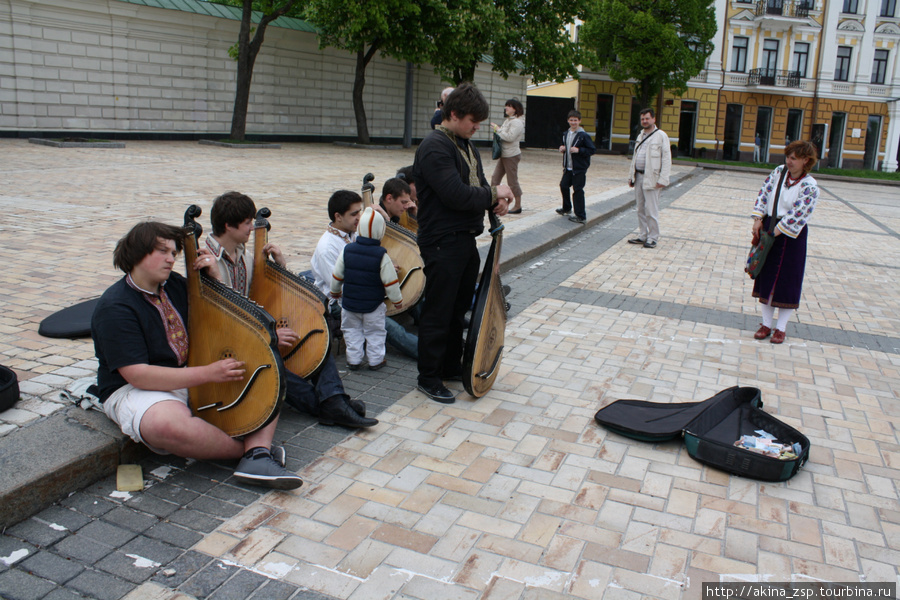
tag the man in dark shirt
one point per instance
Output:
(141, 341)
(453, 198)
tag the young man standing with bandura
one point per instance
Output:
(453, 198)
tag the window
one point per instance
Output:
(888, 7)
(879, 68)
(850, 6)
(842, 68)
(739, 60)
(801, 56)
(770, 57)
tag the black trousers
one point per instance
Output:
(575, 181)
(451, 270)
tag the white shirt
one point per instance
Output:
(330, 246)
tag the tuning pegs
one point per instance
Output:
(261, 218)
(367, 183)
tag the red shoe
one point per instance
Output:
(762, 333)
(777, 337)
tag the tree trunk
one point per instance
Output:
(245, 62)
(359, 83)
(248, 50)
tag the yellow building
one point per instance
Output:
(824, 70)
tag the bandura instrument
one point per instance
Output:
(401, 246)
(293, 302)
(223, 324)
(487, 326)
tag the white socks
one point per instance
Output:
(768, 315)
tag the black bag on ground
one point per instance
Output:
(710, 429)
(9, 388)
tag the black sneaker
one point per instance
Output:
(258, 467)
(563, 212)
(353, 367)
(578, 220)
(338, 411)
(378, 366)
(636, 241)
(438, 393)
(649, 244)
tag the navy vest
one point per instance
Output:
(363, 288)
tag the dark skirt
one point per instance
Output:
(782, 274)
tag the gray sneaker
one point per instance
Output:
(279, 454)
(258, 467)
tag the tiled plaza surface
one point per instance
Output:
(519, 494)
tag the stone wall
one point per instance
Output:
(107, 66)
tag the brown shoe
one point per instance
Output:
(777, 337)
(762, 333)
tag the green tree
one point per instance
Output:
(246, 51)
(527, 37)
(365, 28)
(659, 43)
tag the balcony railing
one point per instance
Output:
(786, 8)
(774, 77)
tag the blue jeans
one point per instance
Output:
(306, 395)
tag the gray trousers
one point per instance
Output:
(647, 209)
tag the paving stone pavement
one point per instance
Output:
(519, 494)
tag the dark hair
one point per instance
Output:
(340, 202)
(231, 208)
(573, 113)
(520, 110)
(644, 111)
(143, 240)
(466, 100)
(406, 173)
(395, 187)
(803, 149)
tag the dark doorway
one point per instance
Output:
(545, 121)
(731, 147)
(836, 140)
(873, 139)
(603, 135)
(687, 125)
(763, 127)
(819, 133)
(794, 125)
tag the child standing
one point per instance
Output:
(366, 274)
(577, 149)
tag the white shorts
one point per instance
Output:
(127, 405)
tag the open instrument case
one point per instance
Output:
(710, 429)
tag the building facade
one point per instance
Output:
(781, 70)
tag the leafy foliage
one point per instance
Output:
(659, 43)
(527, 37)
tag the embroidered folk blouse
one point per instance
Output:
(795, 205)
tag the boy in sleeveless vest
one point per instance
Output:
(366, 274)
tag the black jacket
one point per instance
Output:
(581, 160)
(447, 203)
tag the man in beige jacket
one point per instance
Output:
(650, 168)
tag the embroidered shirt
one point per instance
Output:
(795, 204)
(176, 332)
(236, 274)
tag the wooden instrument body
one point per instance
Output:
(223, 324)
(409, 222)
(293, 302)
(402, 247)
(487, 326)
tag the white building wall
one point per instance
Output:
(110, 66)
